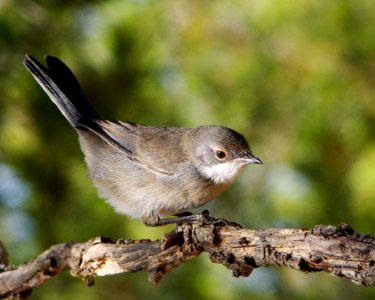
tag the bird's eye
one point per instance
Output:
(221, 154)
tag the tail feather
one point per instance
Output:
(58, 81)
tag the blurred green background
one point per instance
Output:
(297, 78)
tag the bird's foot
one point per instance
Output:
(188, 217)
(218, 222)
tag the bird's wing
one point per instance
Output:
(96, 127)
(146, 146)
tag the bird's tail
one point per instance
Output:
(58, 81)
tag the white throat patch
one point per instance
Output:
(225, 172)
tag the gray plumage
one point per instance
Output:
(145, 171)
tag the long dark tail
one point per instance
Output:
(58, 81)
(64, 90)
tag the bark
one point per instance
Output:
(337, 250)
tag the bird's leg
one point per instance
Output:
(217, 222)
(188, 217)
(185, 217)
(183, 214)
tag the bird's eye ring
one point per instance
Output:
(221, 154)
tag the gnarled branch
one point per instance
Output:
(337, 250)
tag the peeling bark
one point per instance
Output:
(337, 250)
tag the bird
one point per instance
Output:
(148, 172)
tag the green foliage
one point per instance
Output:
(296, 77)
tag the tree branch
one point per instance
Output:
(337, 250)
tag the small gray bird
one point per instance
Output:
(145, 171)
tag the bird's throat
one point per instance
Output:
(225, 172)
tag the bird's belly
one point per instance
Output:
(134, 191)
(141, 194)
(188, 197)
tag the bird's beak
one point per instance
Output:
(253, 159)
